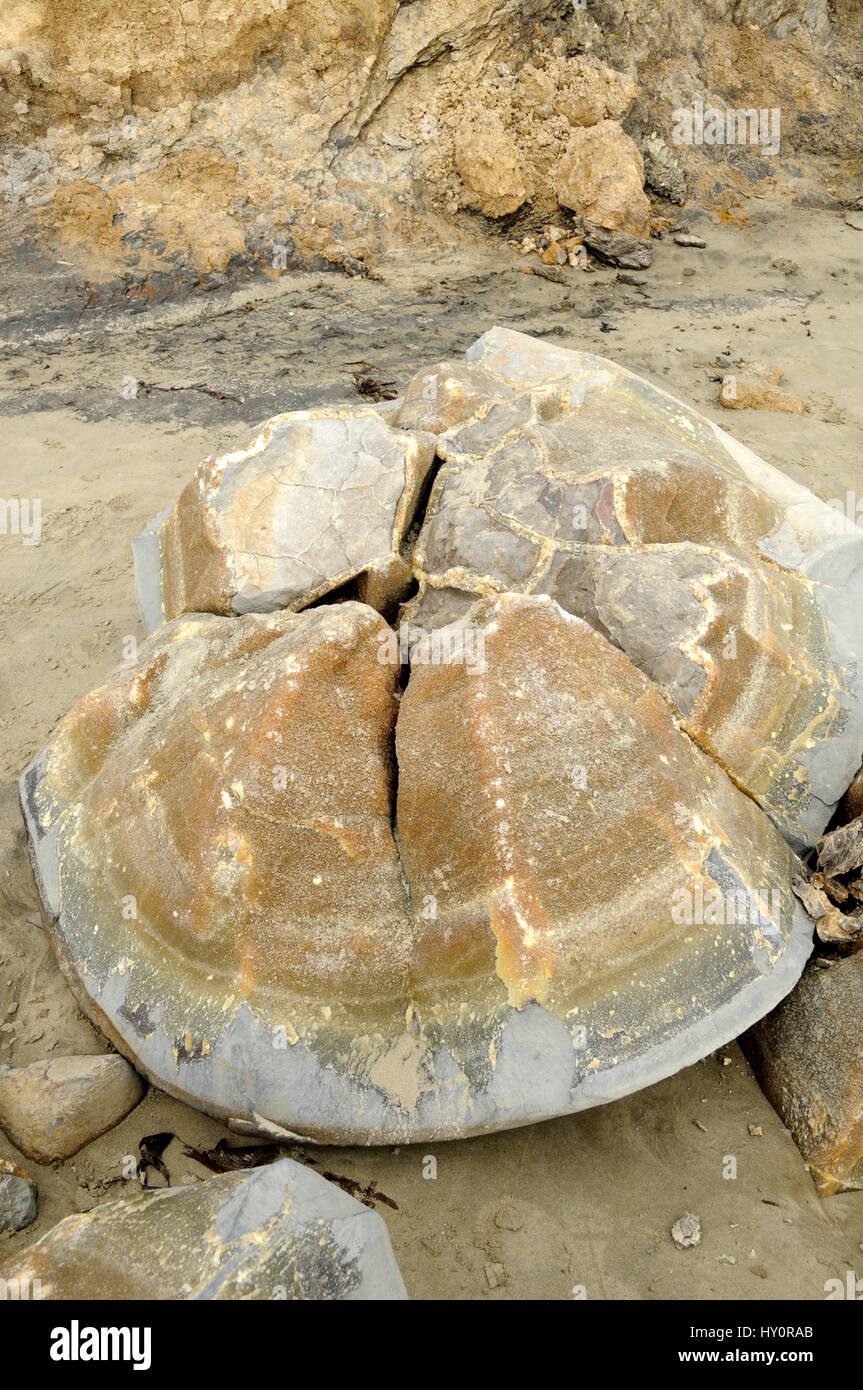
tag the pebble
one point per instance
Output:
(687, 1231)
(689, 239)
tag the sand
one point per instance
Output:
(580, 1206)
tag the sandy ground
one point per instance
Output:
(577, 1205)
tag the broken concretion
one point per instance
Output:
(311, 904)
(280, 1232)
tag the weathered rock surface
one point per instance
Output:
(216, 137)
(52, 1109)
(808, 1056)
(755, 386)
(619, 248)
(601, 177)
(487, 160)
(319, 498)
(278, 1232)
(248, 907)
(17, 1197)
(727, 583)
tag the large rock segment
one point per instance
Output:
(319, 498)
(808, 1056)
(279, 1232)
(735, 589)
(251, 909)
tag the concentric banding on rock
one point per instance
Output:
(240, 893)
(735, 589)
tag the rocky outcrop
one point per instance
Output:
(276, 1233)
(184, 142)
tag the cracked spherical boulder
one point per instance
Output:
(279, 1232)
(312, 902)
(734, 589)
(320, 498)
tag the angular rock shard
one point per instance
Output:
(808, 1057)
(52, 1109)
(736, 590)
(318, 499)
(562, 900)
(280, 1232)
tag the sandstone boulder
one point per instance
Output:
(487, 161)
(52, 1109)
(318, 499)
(601, 177)
(275, 1233)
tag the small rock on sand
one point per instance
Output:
(687, 1231)
(50, 1110)
(755, 386)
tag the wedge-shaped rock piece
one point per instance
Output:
(547, 929)
(735, 589)
(52, 1109)
(808, 1056)
(319, 498)
(280, 1232)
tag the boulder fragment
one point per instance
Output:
(52, 1109)
(562, 899)
(808, 1057)
(727, 583)
(319, 499)
(601, 177)
(278, 1232)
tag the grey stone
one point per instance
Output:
(618, 248)
(17, 1197)
(277, 1232)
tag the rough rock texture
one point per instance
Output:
(495, 940)
(279, 1232)
(727, 583)
(319, 498)
(487, 161)
(601, 177)
(17, 1197)
(755, 386)
(52, 1109)
(179, 141)
(808, 1056)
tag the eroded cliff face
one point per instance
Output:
(198, 137)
